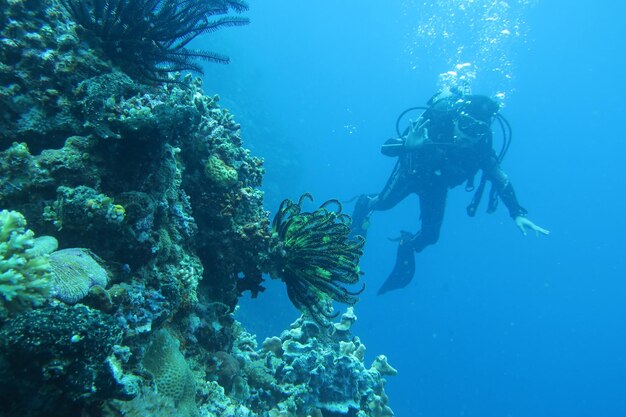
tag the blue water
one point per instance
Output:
(495, 324)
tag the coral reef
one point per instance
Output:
(171, 373)
(52, 361)
(139, 309)
(137, 209)
(308, 371)
(25, 272)
(42, 61)
(153, 178)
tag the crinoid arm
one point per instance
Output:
(315, 256)
(148, 39)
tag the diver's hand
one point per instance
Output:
(417, 135)
(523, 223)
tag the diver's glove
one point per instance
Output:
(523, 222)
(417, 135)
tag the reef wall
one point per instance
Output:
(133, 221)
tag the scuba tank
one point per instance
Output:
(392, 147)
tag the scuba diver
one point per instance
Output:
(448, 144)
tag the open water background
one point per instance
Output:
(495, 324)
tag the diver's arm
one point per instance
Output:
(523, 222)
(393, 147)
(415, 137)
(506, 192)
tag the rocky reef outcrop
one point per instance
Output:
(158, 213)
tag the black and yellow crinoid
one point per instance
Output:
(148, 39)
(314, 255)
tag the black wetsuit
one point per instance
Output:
(459, 145)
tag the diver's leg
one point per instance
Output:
(396, 189)
(361, 214)
(432, 207)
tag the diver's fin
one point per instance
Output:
(404, 268)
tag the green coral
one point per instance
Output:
(25, 273)
(171, 373)
(314, 256)
(84, 203)
(220, 174)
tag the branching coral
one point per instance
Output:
(148, 38)
(25, 272)
(314, 256)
